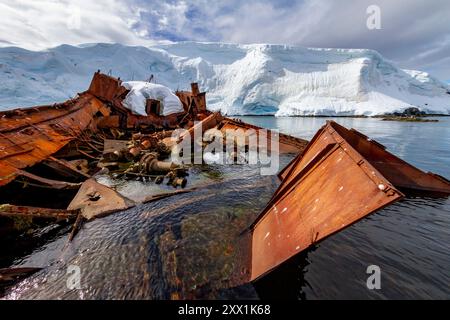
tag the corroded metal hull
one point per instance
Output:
(341, 177)
(400, 173)
(29, 136)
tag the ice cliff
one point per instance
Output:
(239, 79)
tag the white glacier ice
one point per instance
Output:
(239, 79)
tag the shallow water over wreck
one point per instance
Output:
(186, 246)
(193, 246)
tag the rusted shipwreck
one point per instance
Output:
(336, 179)
(341, 177)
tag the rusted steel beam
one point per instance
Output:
(326, 189)
(64, 167)
(209, 122)
(76, 226)
(8, 210)
(287, 144)
(54, 184)
(15, 153)
(14, 274)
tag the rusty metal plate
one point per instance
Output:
(400, 173)
(105, 87)
(95, 200)
(328, 188)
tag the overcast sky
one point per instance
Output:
(414, 33)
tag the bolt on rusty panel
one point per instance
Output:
(329, 187)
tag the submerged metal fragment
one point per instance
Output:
(95, 200)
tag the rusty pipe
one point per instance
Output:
(150, 163)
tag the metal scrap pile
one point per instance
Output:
(144, 158)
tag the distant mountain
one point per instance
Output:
(240, 79)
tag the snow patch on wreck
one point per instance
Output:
(141, 91)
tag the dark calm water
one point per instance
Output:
(193, 245)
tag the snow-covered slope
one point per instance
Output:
(239, 79)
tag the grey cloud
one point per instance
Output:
(409, 29)
(415, 33)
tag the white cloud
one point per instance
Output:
(41, 24)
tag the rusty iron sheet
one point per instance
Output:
(108, 122)
(28, 136)
(400, 173)
(287, 144)
(49, 183)
(329, 187)
(95, 200)
(10, 276)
